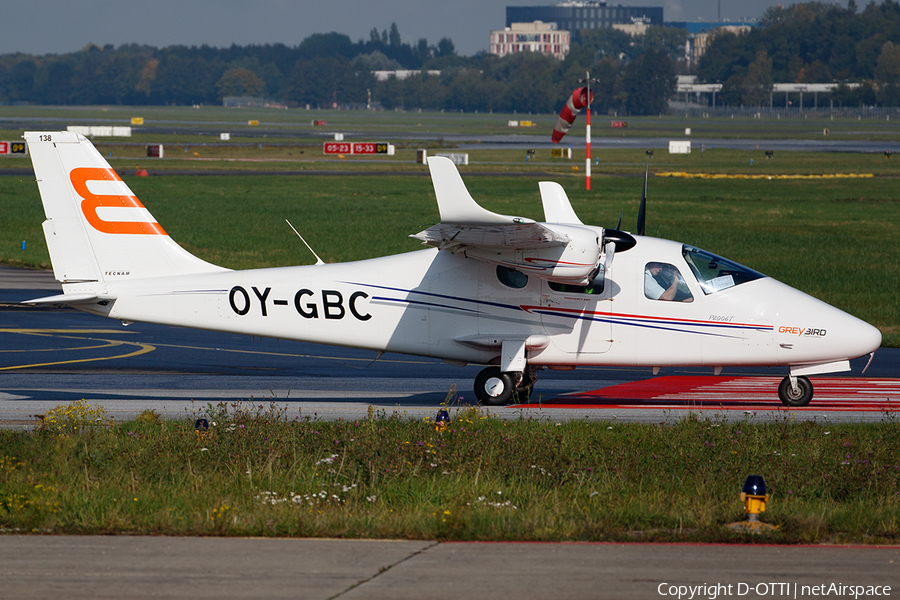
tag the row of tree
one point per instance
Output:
(811, 43)
(328, 70)
(135, 75)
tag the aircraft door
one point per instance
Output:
(577, 317)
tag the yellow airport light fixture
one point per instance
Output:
(441, 420)
(201, 427)
(754, 497)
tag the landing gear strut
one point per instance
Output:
(493, 387)
(795, 393)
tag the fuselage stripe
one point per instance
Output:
(624, 319)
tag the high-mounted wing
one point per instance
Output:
(567, 253)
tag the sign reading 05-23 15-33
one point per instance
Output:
(327, 304)
(19, 148)
(356, 148)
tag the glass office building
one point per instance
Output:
(575, 16)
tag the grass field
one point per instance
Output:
(262, 472)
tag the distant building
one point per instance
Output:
(638, 26)
(700, 34)
(538, 36)
(401, 74)
(578, 15)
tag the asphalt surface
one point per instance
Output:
(76, 568)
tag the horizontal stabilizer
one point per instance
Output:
(70, 299)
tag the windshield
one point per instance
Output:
(715, 273)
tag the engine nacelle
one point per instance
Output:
(574, 262)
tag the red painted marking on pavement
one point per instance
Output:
(736, 393)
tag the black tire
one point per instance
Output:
(493, 387)
(801, 397)
(525, 386)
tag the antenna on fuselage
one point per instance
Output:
(642, 211)
(319, 261)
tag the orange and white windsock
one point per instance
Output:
(567, 115)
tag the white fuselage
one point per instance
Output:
(443, 305)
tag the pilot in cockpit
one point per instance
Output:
(661, 282)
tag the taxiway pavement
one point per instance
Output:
(77, 567)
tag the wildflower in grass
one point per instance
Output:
(68, 418)
(219, 512)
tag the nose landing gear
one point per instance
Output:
(795, 391)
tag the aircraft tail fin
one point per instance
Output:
(96, 229)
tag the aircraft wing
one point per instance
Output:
(455, 237)
(564, 253)
(466, 224)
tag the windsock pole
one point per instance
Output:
(587, 139)
(587, 135)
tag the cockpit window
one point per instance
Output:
(511, 277)
(595, 287)
(663, 281)
(715, 273)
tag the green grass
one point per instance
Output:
(261, 471)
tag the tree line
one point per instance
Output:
(811, 43)
(328, 70)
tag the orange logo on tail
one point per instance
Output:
(91, 202)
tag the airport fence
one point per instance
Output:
(859, 113)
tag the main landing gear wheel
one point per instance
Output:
(494, 387)
(525, 385)
(799, 397)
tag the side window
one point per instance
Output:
(595, 287)
(511, 277)
(663, 281)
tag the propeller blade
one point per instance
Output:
(619, 224)
(642, 211)
(621, 239)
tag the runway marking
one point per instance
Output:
(736, 393)
(68, 333)
(32, 331)
(57, 349)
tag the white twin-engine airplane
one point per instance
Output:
(493, 289)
